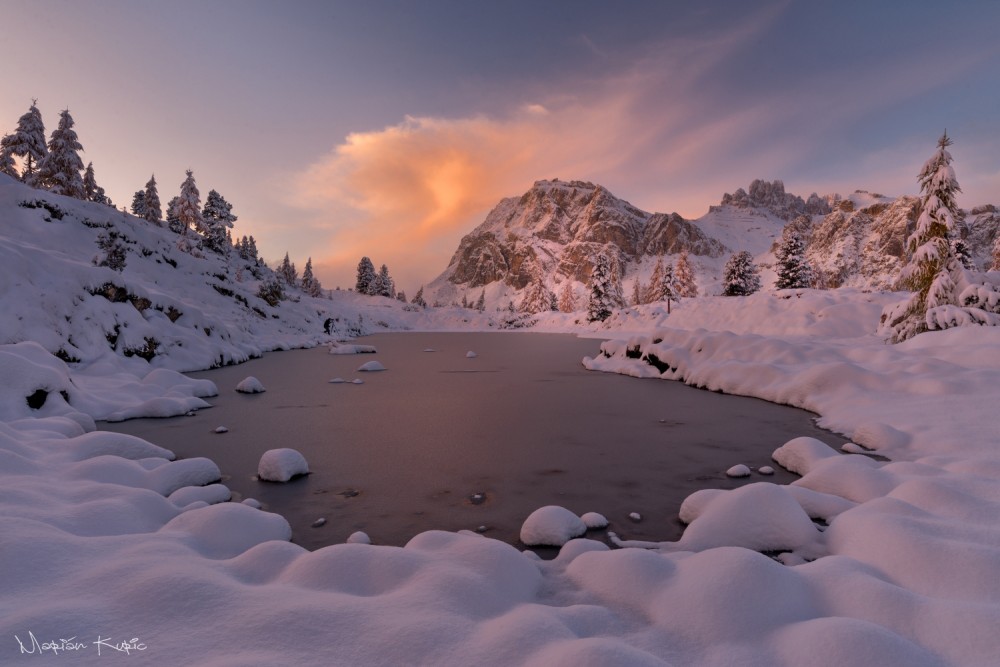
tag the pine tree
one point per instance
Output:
(601, 301)
(139, 203)
(943, 294)
(661, 283)
(638, 292)
(685, 285)
(28, 142)
(418, 299)
(481, 301)
(567, 300)
(89, 182)
(365, 283)
(219, 219)
(173, 219)
(961, 251)
(287, 273)
(401, 296)
(59, 171)
(615, 287)
(384, 285)
(7, 164)
(537, 297)
(740, 277)
(252, 254)
(793, 270)
(188, 207)
(310, 284)
(151, 202)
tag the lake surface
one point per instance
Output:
(441, 441)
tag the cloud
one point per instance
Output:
(660, 133)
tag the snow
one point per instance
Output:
(344, 348)
(220, 429)
(359, 537)
(765, 470)
(281, 465)
(371, 366)
(250, 385)
(889, 562)
(551, 525)
(738, 470)
(594, 521)
(471, 355)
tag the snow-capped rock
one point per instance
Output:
(280, 465)
(551, 525)
(250, 385)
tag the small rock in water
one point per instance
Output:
(635, 516)
(221, 429)
(189, 413)
(337, 381)
(477, 498)
(738, 470)
(357, 381)
(471, 355)
(593, 520)
(359, 537)
(765, 470)
(319, 522)
(481, 529)
(350, 493)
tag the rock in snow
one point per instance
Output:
(551, 525)
(250, 385)
(280, 465)
(371, 366)
(738, 470)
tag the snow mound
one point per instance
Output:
(228, 529)
(338, 381)
(250, 385)
(371, 366)
(800, 455)
(551, 525)
(359, 537)
(280, 465)
(220, 429)
(594, 521)
(765, 470)
(738, 470)
(351, 349)
(471, 355)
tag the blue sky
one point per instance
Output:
(390, 129)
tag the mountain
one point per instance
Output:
(556, 230)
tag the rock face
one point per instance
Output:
(555, 231)
(559, 228)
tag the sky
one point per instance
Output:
(390, 129)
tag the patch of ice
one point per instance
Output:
(280, 465)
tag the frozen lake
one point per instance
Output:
(523, 424)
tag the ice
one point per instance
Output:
(551, 525)
(371, 366)
(343, 348)
(250, 385)
(281, 465)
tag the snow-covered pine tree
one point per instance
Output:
(638, 292)
(7, 164)
(28, 142)
(401, 296)
(481, 301)
(567, 300)
(188, 207)
(287, 273)
(793, 270)
(944, 293)
(252, 254)
(418, 299)
(138, 207)
(602, 298)
(59, 171)
(173, 220)
(685, 285)
(151, 202)
(961, 251)
(385, 286)
(310, 284)
(219, 219)
(113, 251)
(740, 277)
(89, 182)
(661, 283)
(537, 297)
(616, 295)
(365, 283)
